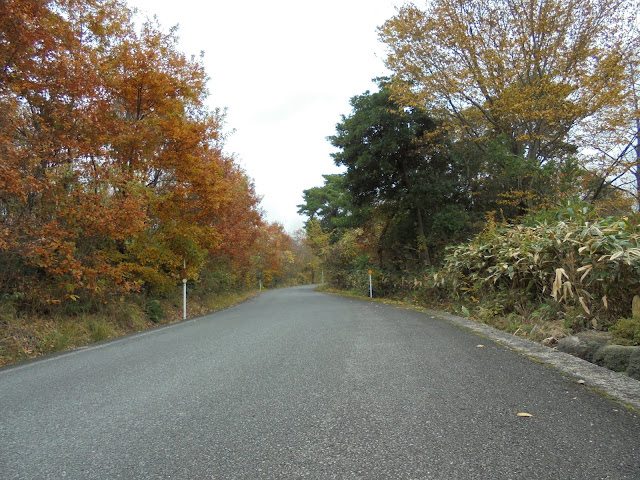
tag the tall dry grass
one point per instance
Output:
(590, 267)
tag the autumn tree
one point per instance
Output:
(50, 100)
(306, 269)
(112, 167)
(273, 255)
(528, 71)
(611, 139)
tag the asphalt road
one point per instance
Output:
(298, 384)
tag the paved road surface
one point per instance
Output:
(297, 384)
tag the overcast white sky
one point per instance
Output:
(285, 70)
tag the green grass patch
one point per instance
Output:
(627, 331)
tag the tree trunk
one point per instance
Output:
(422, 239)
(637, 164)
(382, 235)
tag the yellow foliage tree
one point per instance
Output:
(530, 70)
(611, 139)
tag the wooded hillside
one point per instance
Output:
(113, 170)
(511, 124)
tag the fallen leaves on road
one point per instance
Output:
(479, 346)
(523, 414)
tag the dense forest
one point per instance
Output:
(497, 167)
(113, 174)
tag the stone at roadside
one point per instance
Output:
(585, 344)
(634, 364)
(599, 348)
(613, 357)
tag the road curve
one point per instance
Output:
(296, 384)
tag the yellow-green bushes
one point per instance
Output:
(593, 267)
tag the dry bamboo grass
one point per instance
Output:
(593, 266)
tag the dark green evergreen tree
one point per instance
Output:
(398, 163)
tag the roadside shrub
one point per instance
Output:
(346, 262)
(590, 266)
(154, 311)
(627, 331)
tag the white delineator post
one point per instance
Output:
(370, 285)
(184, 290)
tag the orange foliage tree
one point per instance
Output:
(112, 169)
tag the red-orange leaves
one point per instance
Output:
(111, 168)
